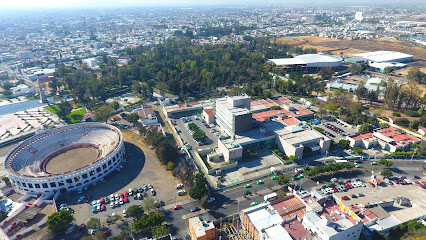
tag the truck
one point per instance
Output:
(270, 197)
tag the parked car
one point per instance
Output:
(196, 209)
(247, 185)
(177, 207)
(153, 191)
(345, 198)
(211, 199)
(179, 186)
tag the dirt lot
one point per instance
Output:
(359, 46)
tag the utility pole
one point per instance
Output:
(415, 151)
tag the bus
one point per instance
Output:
(340, 161)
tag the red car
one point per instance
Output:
(345, 198)
(121, 195)
(103, 207)
(88, 199)
(126, 194)
(126, 200)
(177, 207)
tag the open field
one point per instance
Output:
(348, 47)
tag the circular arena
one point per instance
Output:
(65, 158)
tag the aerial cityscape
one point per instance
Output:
(125, 119)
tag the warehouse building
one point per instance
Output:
(306, 62)
(385, 56)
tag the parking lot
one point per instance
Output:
(336, 130)
(142, 168)
(186, 136)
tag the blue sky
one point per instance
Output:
(6, 4)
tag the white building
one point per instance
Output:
(326, 227)
(306, 61)
(233, 114)
(263, 222)
(37, 73)
(385, 56)
(359, 16)
(21, 90)
(91, 62)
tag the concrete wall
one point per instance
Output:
(242, 123)
(230, 154)
(325, 145)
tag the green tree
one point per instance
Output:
(293, 158)
(326, 73)
(281, 193)
(357, 150)
(165, 153)
(344, 143)
(414, 124)
(199, 189)
(59, 222)
(135, 211)
(388, 70)
(366, 127)
(415, 226)
(203, 201)
(355, 68)
(159, 231)
(99, 235)
(386, 173)
(283, 180)
(132, 118)
(93, 223)
(402, 122)
(170, 166)
(102, 113)
(114, 105)
(148, 204)
(385, 162)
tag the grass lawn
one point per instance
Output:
(52, 108)
(77, 115)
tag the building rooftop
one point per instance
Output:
(289, 206)
(200, 227)
(265, 219)
(383, 56)
(209, 112)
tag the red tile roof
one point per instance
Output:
(289, 207)
(209, 112)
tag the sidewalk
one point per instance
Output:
(170, 206)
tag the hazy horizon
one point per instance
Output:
(55, 4)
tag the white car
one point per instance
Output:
(98, 208)
(179, 186)
(111, 197)
(112, 205)
(116, 197)
(153, 191)
(181, 192)
(121, 201)
(124, 212)
(130, 192)
(116, 203)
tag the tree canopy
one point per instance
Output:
(59, 222)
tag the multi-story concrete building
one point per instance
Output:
(233, 114)
(262, 222)
(335, 227)
(200, 229)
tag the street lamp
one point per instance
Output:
(414, 152)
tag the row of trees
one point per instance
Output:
(164, 150)
(332, 167)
